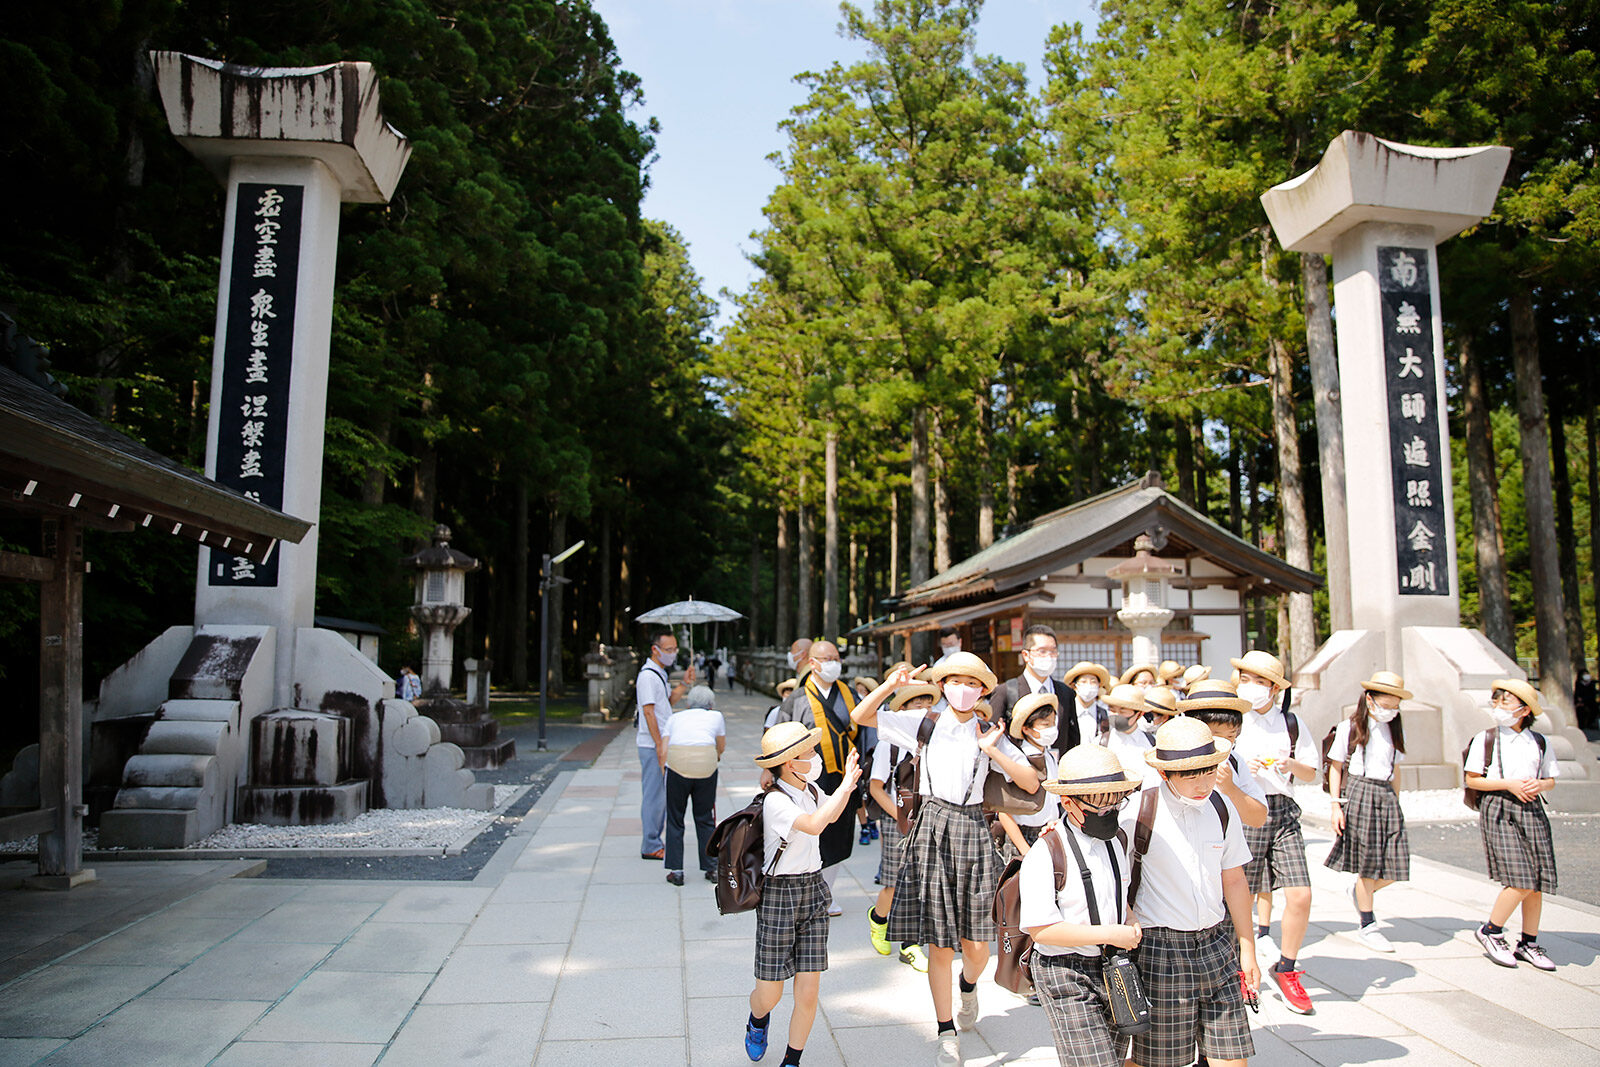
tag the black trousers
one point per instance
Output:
(681, 792)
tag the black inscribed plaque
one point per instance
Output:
(258, 346)
(1414, 422)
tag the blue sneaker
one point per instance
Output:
(755, 1040)
(866, 835)
(873, 826)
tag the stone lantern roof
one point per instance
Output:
(440, 556)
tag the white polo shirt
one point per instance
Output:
(1266, 737)
(1089, 721)
(1516, 756)
(953, 767)
(1375, 759)
(1181, 887)
(651, 688)
(1043, 906)
(778, 812)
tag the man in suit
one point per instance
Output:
(1039, 663)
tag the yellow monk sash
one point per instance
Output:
(832, 750)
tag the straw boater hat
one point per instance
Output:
(1023, 709)
(1257, 661)
(787, 741)
(1185, 744)
(966, 664)
(865, 679)
(1521, 690)
(907, 693)
(787, 686)
(1218, 695)
(1161, 700)
(1198, 673)
(983, 710)
(1127, 698)
(1388, 682)
(1133, 672)
(1169, 671)
(1085, 667)
(1090, 770)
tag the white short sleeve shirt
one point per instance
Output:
(1043, 906)
(1516, 756)
(1052, 803)
(778, 812)
(1375, 759)
(953, 767)
(694, 726)
(651, 689)
(1181, 887)
(1266, 737)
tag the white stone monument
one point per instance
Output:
(1144, 608)
(1380, 209)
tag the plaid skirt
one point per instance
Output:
(1516, 842)
(1277, 849)
(1374, 842)
(792, 926)
(947, 878)
(1192, 980)
(893, 841)
(1073, 992)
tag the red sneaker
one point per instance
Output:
(1294, 994)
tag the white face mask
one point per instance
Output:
(1047, 736)
(793, 663)
(667, 658)
(1505, 716)
(1087, 691)
(1148, 725)
(829, 670)
(961, 697)
(1042, 666)
(1380, 713)
(813, 770)
(1259, 696)
(950, 649)
(1189, 802)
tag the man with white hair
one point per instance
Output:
(695, 737)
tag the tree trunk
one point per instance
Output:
(1566, 540)
(1202, 468)
(1330, 435)
(808, 579)
(1183, 461)
(1235, 483)
(425, 483)
(519, 591)
(894, 542)
(783, 630)
(753, 633)
(374, 481)
(606, 633)
(1549, 609)
(1594, 499)
(918, 548)
(830, 537)
(1301, 639)
(1494, 596)
(941, 505)
(852, 589)
(1257, 612)
(985, 470)
(625, 632)
(558, 542)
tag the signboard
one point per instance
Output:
(1414, 422)
(258, 345)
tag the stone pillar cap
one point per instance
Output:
(221, 110)
(1363, 178)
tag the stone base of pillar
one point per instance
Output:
(55, 883)
(471, 729)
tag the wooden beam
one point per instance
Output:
(28, 823)
(20, 567)
(61, 700)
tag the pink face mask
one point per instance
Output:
(961, 697)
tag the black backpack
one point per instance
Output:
(739, 843)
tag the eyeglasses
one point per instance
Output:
(1100, 809)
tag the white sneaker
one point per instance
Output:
(835, 910)
(949, 1051)
(967, 1016)
(1373, 938)
(1495, 947)
(1530, 952)
(1266, 953)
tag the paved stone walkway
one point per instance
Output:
(567, 949)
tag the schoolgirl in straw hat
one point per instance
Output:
(1369, 828)
(1510, 765)
(1131, 736)
(1197, 953)
(949, 870)
(1279, 751)
(1220, 708)
(886, 760)
(1068, 937)
(1033, 729)
(792, 919)
(1089, 683)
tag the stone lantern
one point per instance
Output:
(1144, 598)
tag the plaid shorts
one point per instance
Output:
(1192, 980)
(948, 874)
(1374, 842)
(892, 840)
(1278, 849)
(792, 926)
(1516, 842)
(1073, 992)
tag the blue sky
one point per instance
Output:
(719, 75)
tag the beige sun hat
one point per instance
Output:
(1268, 666)
(1521, 690)
(1216, 694)
(1198, 673)
(787, 741)
(1126, 697)
(1387, 682)
(964, 664)
(1089, 770)
(1133, 672)
(1185, 744)
(1169, 671)
(1083, 667)
(864, 680)
(1023, 709)
(907, 693)
(787, 686)
(1161, 700)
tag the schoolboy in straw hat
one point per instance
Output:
(949, 869)
(1369, 828)
(1033, 730)
(1197, 953)
(1510, 765)
(1278, 751)
(1218, 706)
(1091, 717)
(1068, 939)
(1131, 737)
(792, 919)
(886, 760)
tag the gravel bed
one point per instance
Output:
(379, 828)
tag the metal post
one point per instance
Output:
(544, 644)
